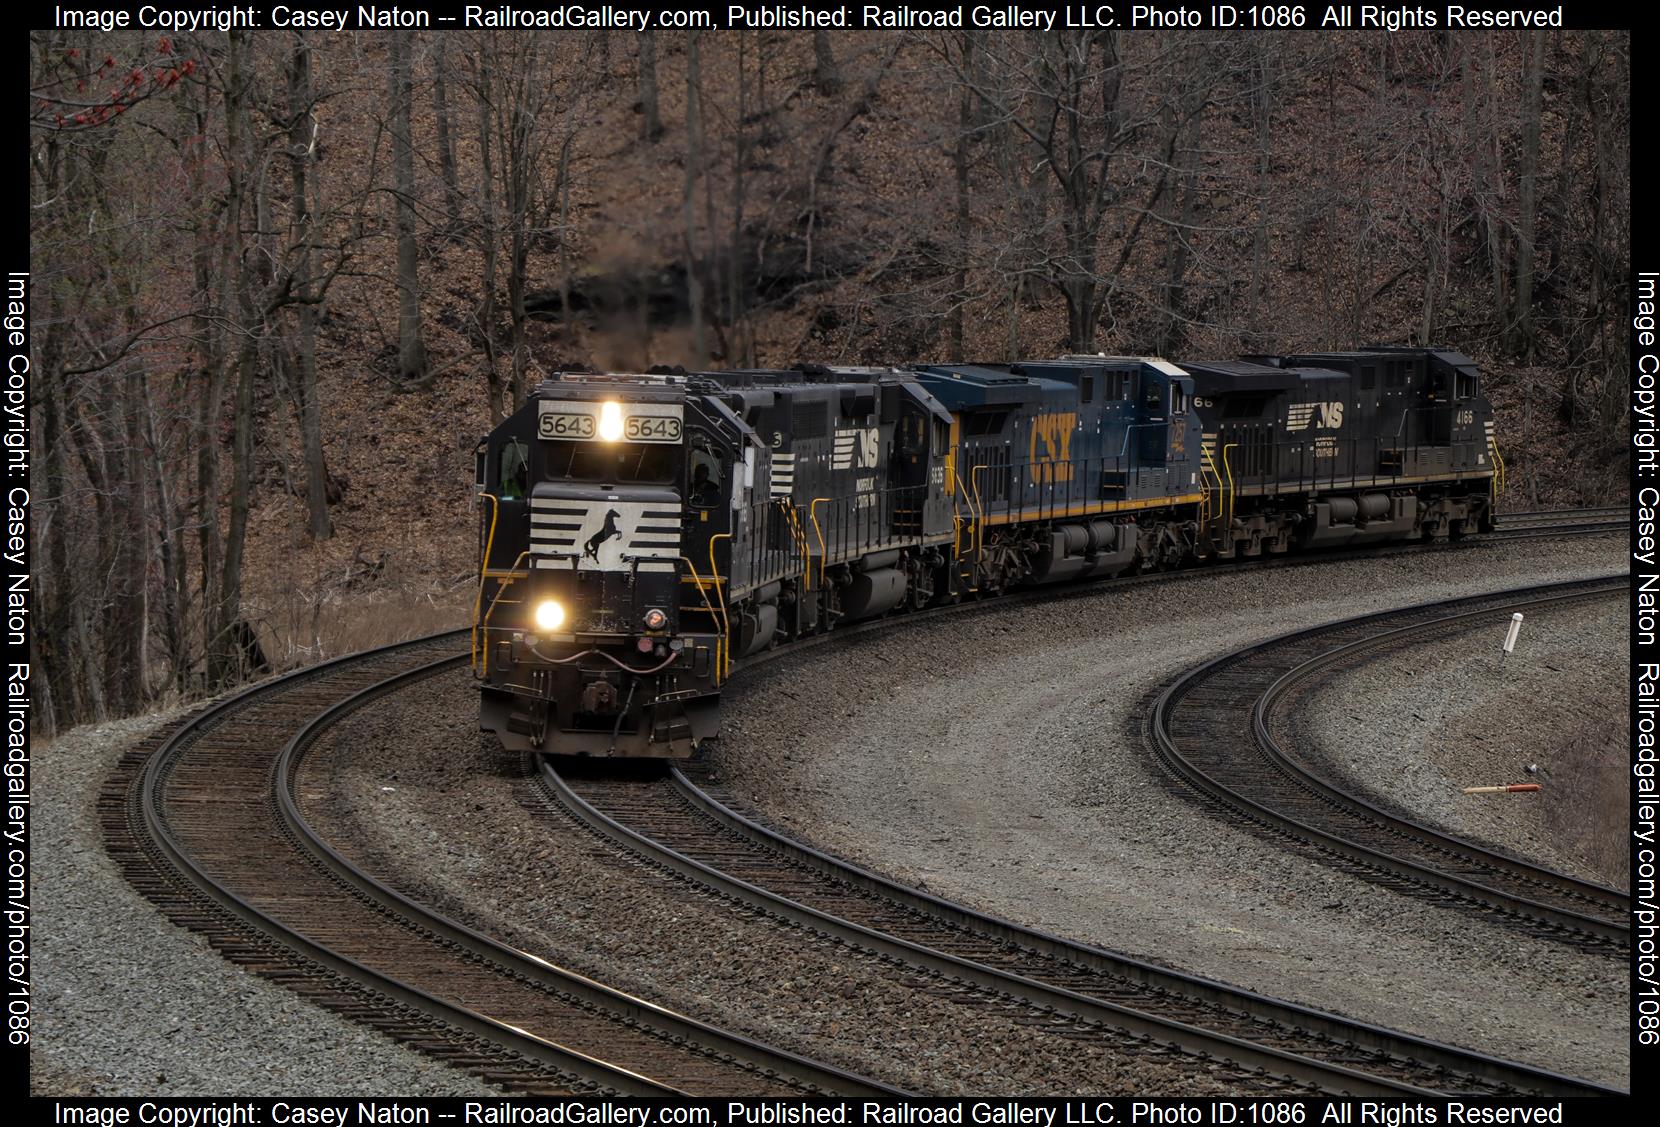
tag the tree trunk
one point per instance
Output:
(412, 353)
(1522, 321)
(485, 315)
(694, 165)
(303, 369)
(225, 609)
(827, 78)
(959, 169)
(446, 144)
(651, 121)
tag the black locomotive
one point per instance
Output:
(641, 535)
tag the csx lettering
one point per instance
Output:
(1051, 452)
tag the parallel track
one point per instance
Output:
(1211, 729)
(204, 820)
(679, 825)
(1560, 522)
(211, 826)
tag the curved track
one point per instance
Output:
(684, 828)
(211, 825)
(206, 820)
(1211, 728)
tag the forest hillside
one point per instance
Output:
(282, 282)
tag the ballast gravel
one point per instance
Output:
(418, 798)
(996, 759)
(126, 1004)
(990, 758)
(1412, 727)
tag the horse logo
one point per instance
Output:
(590, 550)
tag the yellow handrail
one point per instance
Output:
(812, 512)
(798, 535)
(1498, 461)
(484, 625)
(708, 606)
(980, 520)
(483, 569)
(725, 615)
(1227, 466)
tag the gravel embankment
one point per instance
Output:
(126, 1004)
(422, 801)
(989, 759)
(1411, 727)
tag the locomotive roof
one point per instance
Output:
(806, 374)
(637, 386)
(1219, 377)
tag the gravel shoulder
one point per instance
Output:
(992, 759)
(418, 798)
(1410, 727)
(126, 1004)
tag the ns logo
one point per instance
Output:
(1322, 416)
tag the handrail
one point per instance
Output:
(812, 512)
(713, 617)
(979, 523)
(1228, 497)
(483, 569)
(500, 591)
(725, 611)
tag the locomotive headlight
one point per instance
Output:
(549, 615)
(610, 420)
(656, 619)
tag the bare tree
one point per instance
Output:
(1533, 80)
(412, 352)
(651, 121)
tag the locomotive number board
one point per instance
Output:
(584, 421)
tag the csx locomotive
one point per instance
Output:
(640, 535)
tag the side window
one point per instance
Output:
(1086, 390)
(1368, 377)
(1152, 394)
(513, 480)
(1178, 400)
(704, 488)
(1465, 385)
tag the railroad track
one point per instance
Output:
(1082, 992)
(1561, 522)
(1212, 727)
(208, 821)
(204, 820)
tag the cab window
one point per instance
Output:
(513, 471)
(612, 462)
(703, 489)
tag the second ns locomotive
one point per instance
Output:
(642, 534)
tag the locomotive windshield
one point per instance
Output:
(652, 463)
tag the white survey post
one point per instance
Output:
(1515, 629)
